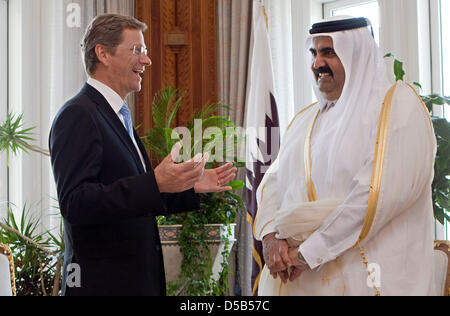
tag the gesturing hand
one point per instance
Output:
(176, 178)
(215, 179)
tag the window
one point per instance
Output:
(3, 98)
(445, 25)
(445, 29)
(440, 42)
(367, 9)
(440, 60)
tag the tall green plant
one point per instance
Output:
(15, 138)
(165, 106)
(441, 183)
(37, 256)
(195, 278)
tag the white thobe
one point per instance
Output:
(397, 238)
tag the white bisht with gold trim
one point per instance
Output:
(357, 199)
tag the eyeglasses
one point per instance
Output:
(137, 50)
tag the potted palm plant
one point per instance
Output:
(38, 257)
(202, 240)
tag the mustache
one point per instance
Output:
(323, 70)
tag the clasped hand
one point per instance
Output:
(176, 178)
(282, 260)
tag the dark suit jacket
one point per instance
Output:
(108, 202)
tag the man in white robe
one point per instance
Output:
(347, 207)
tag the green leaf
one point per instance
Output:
(12, 137)
(418, 85)
(398, 70)
(162, 104)
(439, 215)
(237, 185)
(442, 128)
(398, 67)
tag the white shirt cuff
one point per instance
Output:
(315, 251)
(269, 229)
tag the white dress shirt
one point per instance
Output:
(116, 103)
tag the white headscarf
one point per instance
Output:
(359, 106)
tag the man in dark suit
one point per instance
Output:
(109, 194)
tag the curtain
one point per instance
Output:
(45, 55)
(125, 7)
(234, 44)
(405, 32)
(234, 27)
(304, 14)
(280, 34)
(44, 50)
(3, 101)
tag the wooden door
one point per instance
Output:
(183, 48)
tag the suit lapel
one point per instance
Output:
(113, 120)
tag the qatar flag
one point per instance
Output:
(262, 125)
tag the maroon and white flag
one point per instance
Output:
(262, 125)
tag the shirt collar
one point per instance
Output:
(324, 107)
(114, 100)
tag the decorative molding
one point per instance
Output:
(215, 233)
(444, 246)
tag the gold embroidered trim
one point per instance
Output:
(5, 250)
(378, 165)
(376, 176)
(255, 254)
(249, 219)
(264, 227)
(256, 217)
(266, 17)
(312, 195)
(259, 262)
(253, 223)
(262, 194)
(309, 172)
(423, 105)
(301, 112)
